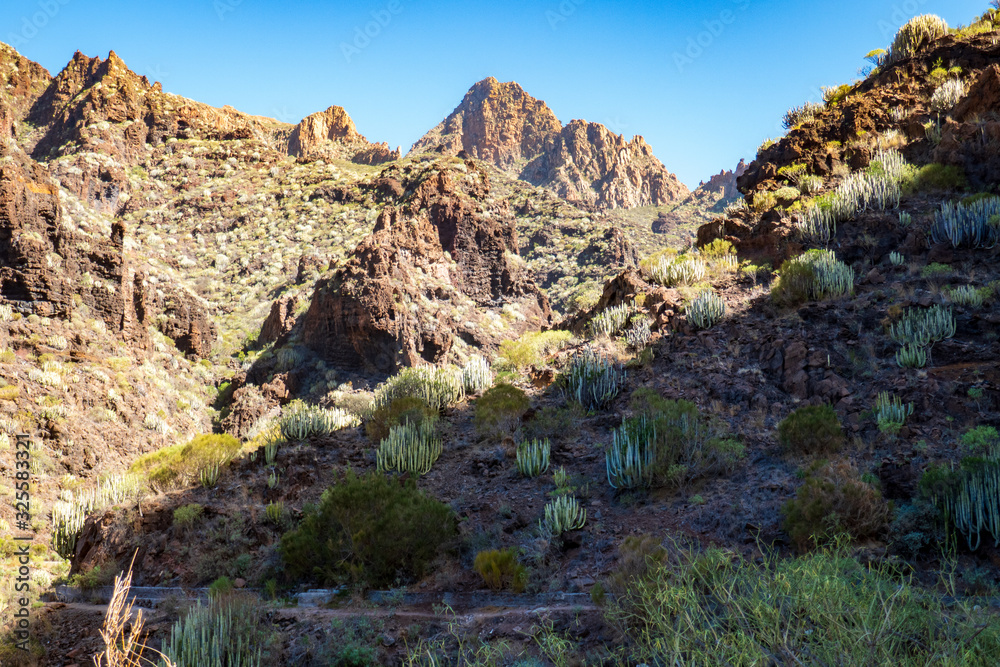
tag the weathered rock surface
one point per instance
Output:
(582, 162)
(331, 134)
(438, 268)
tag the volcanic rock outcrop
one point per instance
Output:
(583, 162)
(439, 273)
(46, 264)
(331, 134)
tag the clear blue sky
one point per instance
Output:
(637, 67)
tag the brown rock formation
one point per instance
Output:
(426, 276)
(582, 162)
(331, 134)
(45, 264)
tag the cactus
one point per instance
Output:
(890, 413)
(411, 448)
(705, 310)
(973, 225)
(638, 334)
(896, 259)
(611, 320)
(911, 355)
(973, 504)
(300, 421)
(947, 95)
(209, 475)
(6, 312)
(682, 270)
(533, 457)
(905, 219)
(818, 225)
(213, 636)
(275, 513)
(477, 376)
(70, 513)
(439, 387)
(563, 514)
(831, 277)
(923, 326)
(917, 33)
(966, 295)
(629, 460)
(591, 379)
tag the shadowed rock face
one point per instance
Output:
(331, 134)
(45, 263)
(436, 269)
(582, 162)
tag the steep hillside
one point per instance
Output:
(504, 383)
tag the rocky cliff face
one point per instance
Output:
(435, 276)
(582, 162)
(331, 134)
(496, 122)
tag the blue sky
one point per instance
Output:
(704, 82)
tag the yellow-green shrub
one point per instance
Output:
(180, 464)
(529, 349)
(499, 569)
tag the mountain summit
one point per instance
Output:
(583, 162)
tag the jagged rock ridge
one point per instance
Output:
(583, 162)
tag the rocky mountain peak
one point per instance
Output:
(332, 133)
(496, 122)
(585, 163)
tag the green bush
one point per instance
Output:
(833, 501)
(531, 348)
(399, 411)
(180, 464)
(936, 176)
(686, 444)
(981, 441)
(500, 409)
(814, 429)
(220, 587)
(370, 529)
(186, 515)
(824, 608)
(814, 275)
(638, 558)
(500, 570)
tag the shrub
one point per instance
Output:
(220, 587)
(531, 348)
(832, 501)
(981, 441)
(638, 558)
(499, 411)
(500, 570)
(936, 177)
(816, 274)
(401, 410)
(667, 442)
(186, 515)
(9, 393)
(814, 429)
(717, 608)
(370, 529)
(180, 464)
(917, 33)
(836, 94)
(591, 379)
(801, 114)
